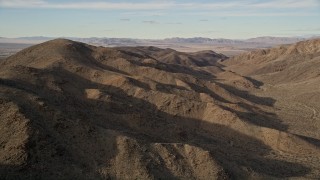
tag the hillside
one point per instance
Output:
(76, 111)
(287, 63)
(290, 74)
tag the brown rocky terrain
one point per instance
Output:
(291, 75)
(74, 111)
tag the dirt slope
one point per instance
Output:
(296, 62)
(71, 110)
(290, 75)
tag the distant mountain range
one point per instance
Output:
(278, 40)
(203, 40)
(265, 41)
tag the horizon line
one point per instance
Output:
(191, 37)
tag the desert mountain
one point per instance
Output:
(286, 63)
(203, 40)
(290, 74)
(72, 110)
(277, 40)
(170, 56)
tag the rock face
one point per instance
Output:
(71, 110)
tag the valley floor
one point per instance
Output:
(298, 108)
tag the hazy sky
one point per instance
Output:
(159, 18)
